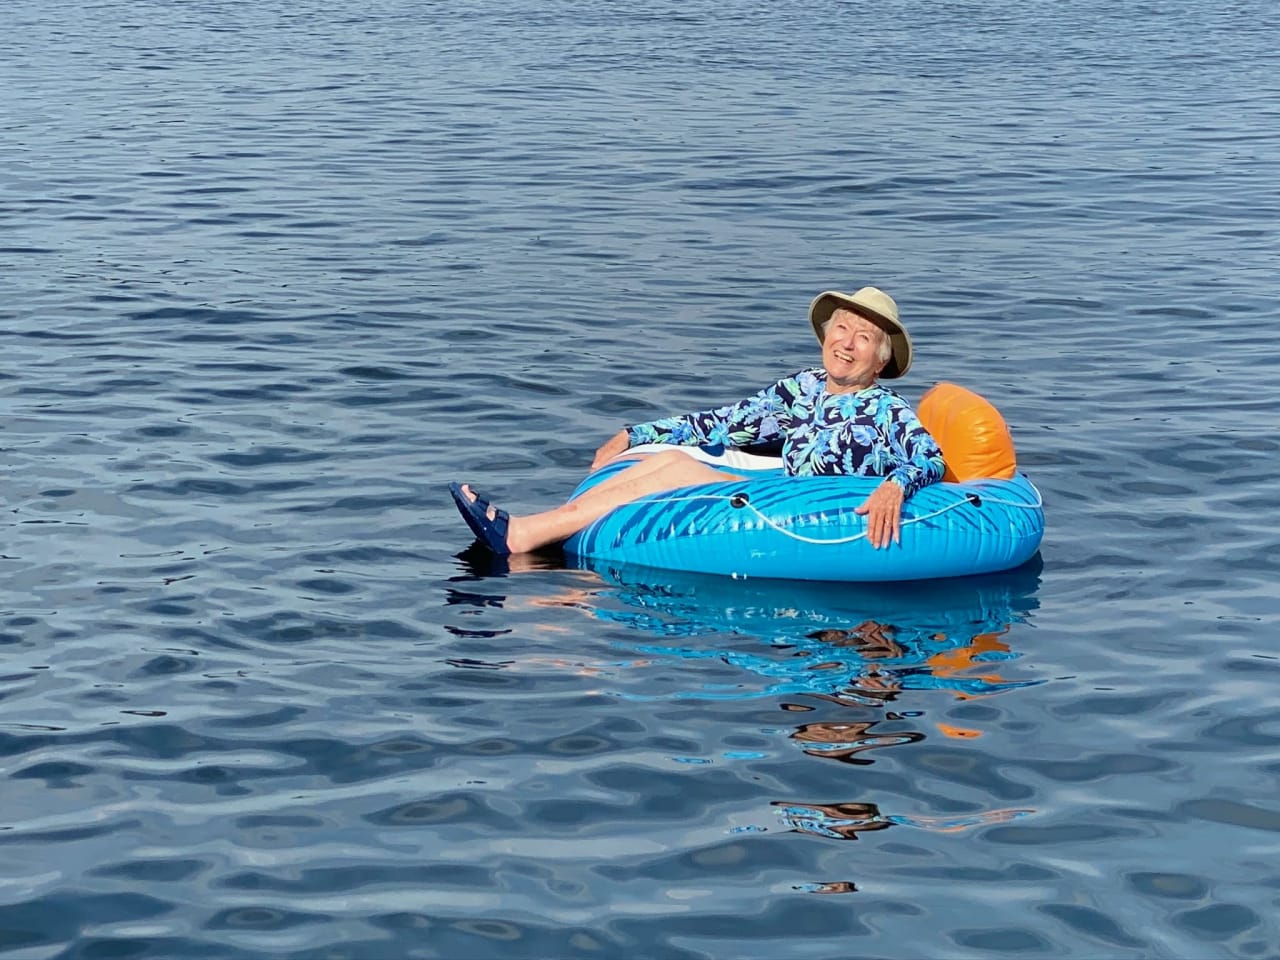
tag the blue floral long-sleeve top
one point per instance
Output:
(873, 432)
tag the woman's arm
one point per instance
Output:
(919, 457)
(615, 445)
(758, 418)
(915, 461)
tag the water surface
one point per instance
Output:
(274, 274)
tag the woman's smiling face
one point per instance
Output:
(853, 352)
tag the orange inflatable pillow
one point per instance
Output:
(974, 438)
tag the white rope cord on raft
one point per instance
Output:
(857, 536)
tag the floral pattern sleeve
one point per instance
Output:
(758, 419)
(919, 457)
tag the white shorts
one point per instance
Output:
(728, 458)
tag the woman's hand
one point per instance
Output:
(884, 514)
(615, 445)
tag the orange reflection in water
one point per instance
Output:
(960, 660)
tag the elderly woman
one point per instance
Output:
(833, 420)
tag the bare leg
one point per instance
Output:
(642, 465)
(655, 474)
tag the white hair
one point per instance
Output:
(885, 350)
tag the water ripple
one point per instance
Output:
(275, 274)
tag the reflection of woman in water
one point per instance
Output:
(845, 741)
(844, 821)
(838, 654)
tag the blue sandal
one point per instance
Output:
(492, 533)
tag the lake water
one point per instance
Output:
(273, 274)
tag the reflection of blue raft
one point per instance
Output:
(940, 613)
(822, 637)
(805, 528)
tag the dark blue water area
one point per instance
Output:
(273, 274)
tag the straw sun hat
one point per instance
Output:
(878, 307)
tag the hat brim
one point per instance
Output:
(827, 302)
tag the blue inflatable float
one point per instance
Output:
(805, 528)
